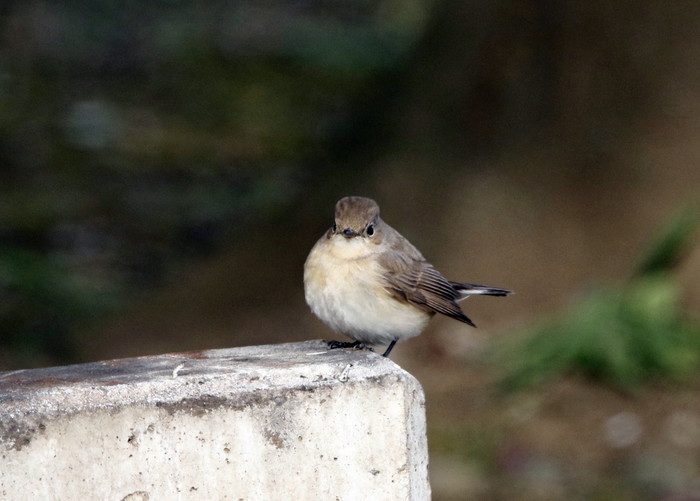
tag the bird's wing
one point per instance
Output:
(415, 281)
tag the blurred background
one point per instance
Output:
(166, 166)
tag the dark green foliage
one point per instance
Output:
(41, 303)
(135, 136)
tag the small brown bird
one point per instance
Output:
(366, 281)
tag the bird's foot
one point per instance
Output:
(334, 345)
(389, 348)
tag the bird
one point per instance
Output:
(366, 281)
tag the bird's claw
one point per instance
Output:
(334, 345)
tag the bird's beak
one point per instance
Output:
(348, 233)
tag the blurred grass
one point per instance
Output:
(671, 244)
(623, 336)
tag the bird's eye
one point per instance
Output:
(370, 230)
(334, 228)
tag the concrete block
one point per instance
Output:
(289, 421)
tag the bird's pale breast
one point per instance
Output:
(344, 288)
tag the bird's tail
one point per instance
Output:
(466, 290)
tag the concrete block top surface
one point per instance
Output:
(160, 379)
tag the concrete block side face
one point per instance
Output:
(355, 439)
(291, 446)
(417, 439)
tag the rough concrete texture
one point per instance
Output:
(289, 421)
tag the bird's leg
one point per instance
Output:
(334, 345)
(389, 348)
